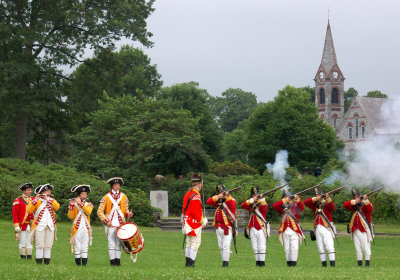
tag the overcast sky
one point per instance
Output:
(263, 45)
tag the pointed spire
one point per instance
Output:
(329, 54)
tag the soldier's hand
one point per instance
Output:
(296, 197)
(109, 224)
(327, 195)
(130, 214)
(78, 200)
(17, 229)
(365, 197)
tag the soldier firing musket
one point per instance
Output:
(360, 225)
(225, 220)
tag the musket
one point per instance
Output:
(374, 191)
(273, 190)
(335, 190)
(309, 189)
(234, 189)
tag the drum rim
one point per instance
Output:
(116, 233)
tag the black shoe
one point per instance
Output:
(84, 261)
(294, 263)
(39, 261)
(187, 262)
(225, 264)
(324, 263)
(261, 263)
(112, 262)
(29, 257)
(117, 262)
(359, 263)
(367, 263)
(332, 263)
(78, 261)
(257, 263)
(46, 261)
(23, 257)
(289, 263)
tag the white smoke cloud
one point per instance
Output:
(279, 167)
(336, 175)
(377, 161)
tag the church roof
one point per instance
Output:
(375, 109)
(329, 55)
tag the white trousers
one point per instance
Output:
(193, 244)
(362, 245)
(291, 242)
(25, 239)
(81, 242)
(224, 243)
(44, 241)
(325, 242)
(258, 242)
(114, 244)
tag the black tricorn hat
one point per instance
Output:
(221, 188)
(196, 177)
(286, 192)
(25, 186)
(115, 180)
(254, 191)
(355, 192)
(318, 191)
(81, 188)
(43, 188)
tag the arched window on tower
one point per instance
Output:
(335, 120)
(363, 130)
(321, 96)
(335, 96)
(350, 130)
(356, 121)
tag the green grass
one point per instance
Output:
(161, 259)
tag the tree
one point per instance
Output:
(348, 97)
(376, 94)
(234, 106)
(190, 97)
(289, 122)
(127, 72)
(234, 144)
(132, 136)
(37, 37)
(311, 92)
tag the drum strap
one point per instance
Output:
(41, 207)
(116, 207)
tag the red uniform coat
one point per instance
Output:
(328, 209)
(355, 222)
(288, 222)
(18, 212)
(194, 212)
(220, 219)
(263, 208)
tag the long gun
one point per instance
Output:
(234, 189)
(374, 191)
(309, 189)
(273, 190)
(335, 190)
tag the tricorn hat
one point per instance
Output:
(25, 186)
(254, 191)
(286, 192)
(318, 191)
(355, 192)
(196, 177)
(221, 188)
(115, 180)
(81, 188)
(43, 188)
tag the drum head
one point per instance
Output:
(126, 231)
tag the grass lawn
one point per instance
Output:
(161, 259)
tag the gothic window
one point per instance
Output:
(363, 130)
(335, 118)
(335, 96)
(356, 120)
(350, 130)
(321, 96)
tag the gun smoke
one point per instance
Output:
(279, 167)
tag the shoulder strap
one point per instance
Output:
(115, 206)
(187, 204)
(23, 200)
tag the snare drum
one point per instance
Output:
(131, 239)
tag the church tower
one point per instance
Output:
(329, 85)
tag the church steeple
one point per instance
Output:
(329, 84)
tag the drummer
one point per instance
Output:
(113, 212)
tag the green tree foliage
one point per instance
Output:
(376, 94)
(289, 122)
(234, 106)
(14, 172)
(348, 97)
(127, 72)
(190, 97)
(134, 137)
(311, 92)
(231, 168)
(234, 144)
(39, 36)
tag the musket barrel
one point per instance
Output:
(273, 190)
(308, 189)
(374, 191)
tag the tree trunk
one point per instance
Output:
(21, 127)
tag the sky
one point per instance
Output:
(261, 46)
